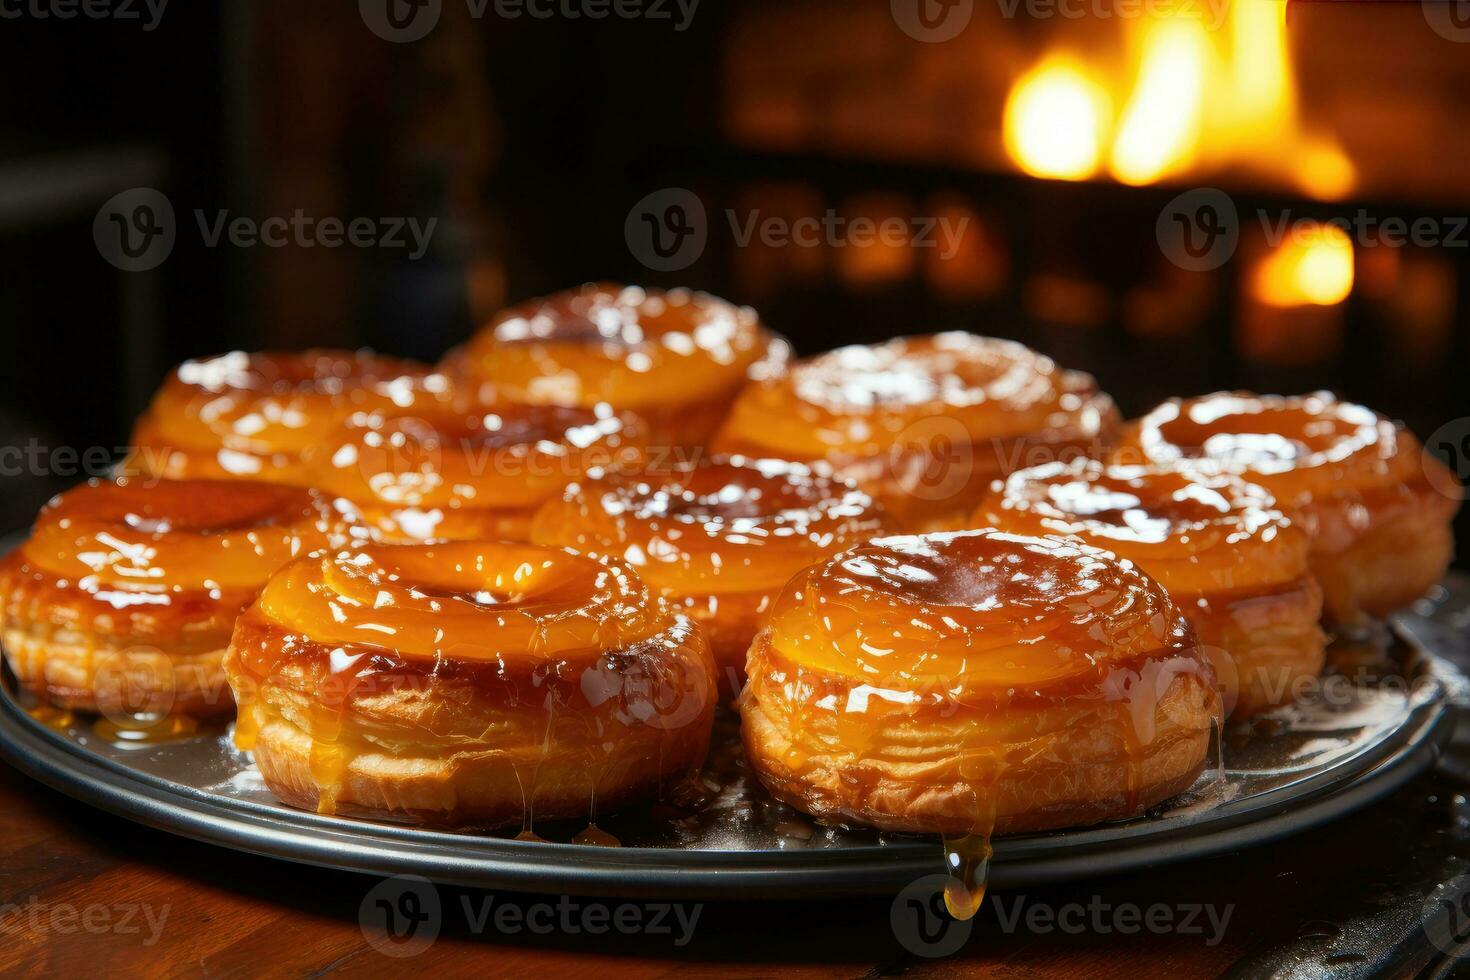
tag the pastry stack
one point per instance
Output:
(946, 587)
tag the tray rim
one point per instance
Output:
(688, 873)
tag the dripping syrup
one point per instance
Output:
(596, 837)
(967, 863)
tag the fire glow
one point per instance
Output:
(1189, 100)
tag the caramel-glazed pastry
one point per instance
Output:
(468, 684)
(976, 681)
(1234, 565)
(923, 423)
(1359, 484)
(250, 416)
(124, 596)
(446, 474)
(717, 541)
(676, 358)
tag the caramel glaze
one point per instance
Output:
(445, 473)
(1236, 567)
(718, 540)
(468, 684)
(249, 416)
(974, 682)
(676, 359)
(923, 423)
(1363, 488)
(124, 596)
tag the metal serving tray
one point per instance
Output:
(1382, 720)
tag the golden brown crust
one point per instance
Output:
(1267, 648)
(124, 597)
(391, 770)
(1375, 504)
(88, 672)
(521, 683)
(976, 682)
(923, 423)
(1059, 765)
(1395, 562)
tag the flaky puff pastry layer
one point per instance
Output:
(123, 599)
(453, 472)
(676, 359)
(1236, 566)
(976, 682)
(924, 423)
(1375, 505)
(718, 540)
(468, 684)
(249, 416)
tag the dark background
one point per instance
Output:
(529, 140)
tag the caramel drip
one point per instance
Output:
(967, 862)
(595, 836)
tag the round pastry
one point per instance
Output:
(676, 358)
(1359, 484)
(468, 684)
(923, 423)
(251, 415)
(445, 474)
(1235, 566)
(717, 541)
(123, 598)
(976, 681)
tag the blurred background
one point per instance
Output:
(1135, 188)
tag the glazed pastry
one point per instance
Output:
(976, 681)
(249, 416)
(468, 684)
(717, 541)
(1235, 566)
(923, 423)
(676, 358)
(1363, 487)
(124, 596)
(445, 474)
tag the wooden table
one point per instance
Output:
(82, 891)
